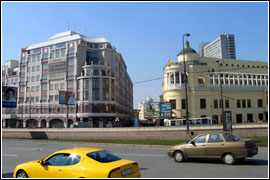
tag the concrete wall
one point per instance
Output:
(154, 133)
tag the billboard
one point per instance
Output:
(9, 97)
(152, 110)
(66, 97)
(166, 110)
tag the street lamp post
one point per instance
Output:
(185, 72)
(221, 102)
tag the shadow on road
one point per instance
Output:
(7, 175)
(142, 169)
(38, 135)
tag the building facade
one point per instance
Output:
(244, 87)
(91, 68)
(223, 47)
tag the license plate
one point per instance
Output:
(127, 171)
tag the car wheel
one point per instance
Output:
(178, 156)
(21, 174)
(229, 159)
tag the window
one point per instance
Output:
(56, 98)
(57, 54)
(51, 86)
(44, 87)
(71, 51)
(260, 115)
(238, 103)
(95, 82)
(63, 52)
(260, 103)
(37, 88)
(62, 85)
(37, 78)
(63, 160)
(29, 69)
(22, 69)
(45, 76)
(51, 97)
(52, 55)
(56, 86)
(33, 89)
(103, 156)
(243, 103)
(173, 102)
(215, 103)
(33, 69)
(86, 83)
(70, 73)
(37, 99)
(33, 79)
(45, 66)
(249, 103)
(70, 62)
(86, 95)
(96, 72)
(70, 85)
(200, 139)
(201, 81)
(227, 103)
(38, 57)
(45, 56)
(215, 138)
(95, 95)
(38, 68)
(203, 103)
(183, 102)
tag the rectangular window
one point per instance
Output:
(33, 89)
(38, 57)
(51, 86)
(33, 79)
(86, 83)
(34, 69)
(249, 103)
(37, 88)
(95, 83)
(29, 69)
(51, 97)
(70, 62)
(203, 103)
(238, 103)
(45, 66)
(22, 79)
(38, 68)
(95, 95)
(215, 103)
(62, 86)
(86, 95)
(45, 56)
(183, 101)
(22, 69)
(44, 87)
(45, 76)
(70, 85)
(70, 73)
(34, 59)
(57, 54)
(227, 103)
(56, 86)
(56, 97)
(71, 51)
(243, 103)
(173, 102)
(52, 55)
(96, 72)
(37, 98)
(63, 52)
(260, 103)
(37, 78)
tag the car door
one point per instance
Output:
(197, 149)
(215, 146)
(73, 168)
(53, 167)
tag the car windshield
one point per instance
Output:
(233, 136)
(103, 156)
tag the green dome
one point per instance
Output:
(187, 49)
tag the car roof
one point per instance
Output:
(79, 150)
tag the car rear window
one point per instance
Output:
(232, 137)
(103, 156)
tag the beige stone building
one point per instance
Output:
(91, 68)
(244, 85)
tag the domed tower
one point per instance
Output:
(190, 54)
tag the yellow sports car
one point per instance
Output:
(79, 163)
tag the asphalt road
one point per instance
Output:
(153, 161)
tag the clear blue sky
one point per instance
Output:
(147, 34)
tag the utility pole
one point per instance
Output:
(222, 105)
(185, 72)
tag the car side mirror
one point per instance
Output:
(193, 143)
(43, 163)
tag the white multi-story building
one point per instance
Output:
(223, 47)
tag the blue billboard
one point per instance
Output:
(165, 110)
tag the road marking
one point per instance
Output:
(32, 149)
(11, 155)
(143, 155)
